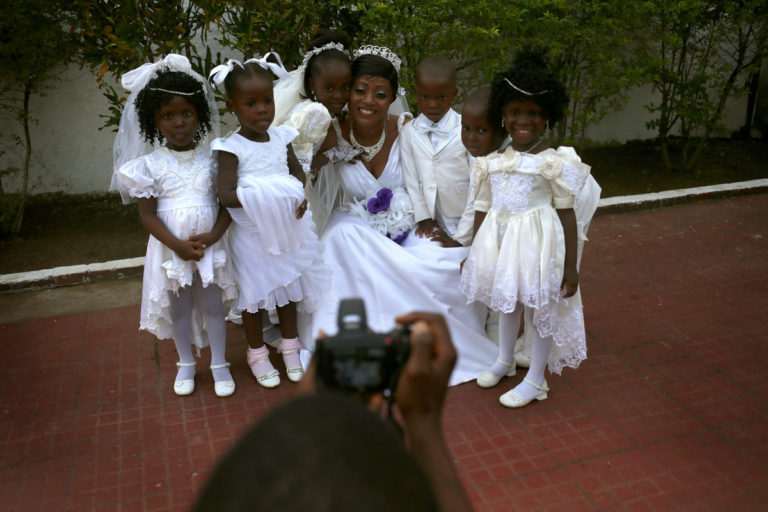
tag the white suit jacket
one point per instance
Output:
(440, 172)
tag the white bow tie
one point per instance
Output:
(427, 129)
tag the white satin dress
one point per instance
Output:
(391, 278)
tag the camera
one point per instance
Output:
(360, 361)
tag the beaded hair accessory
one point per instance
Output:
(381, 51)
(180, 93)
(317, 51)
(525, 92)
(220, 72)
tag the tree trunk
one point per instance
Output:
(16, 227)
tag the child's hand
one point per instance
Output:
(302, 209)
(439, 235)
(189, 250)
(570, 282)
(206, 239)
(425, 228)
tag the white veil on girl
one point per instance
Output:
(129, 142)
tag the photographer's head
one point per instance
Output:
(320, 452)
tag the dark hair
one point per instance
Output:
(375, 65)
(322, 59)
(323, 452)
(436, 67)
(238, 73)
(530, 73)
(151, 97)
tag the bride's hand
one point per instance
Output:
(302, 209)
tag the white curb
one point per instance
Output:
(15, 281)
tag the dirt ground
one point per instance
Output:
(63, 229)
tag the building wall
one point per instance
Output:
(70, 154)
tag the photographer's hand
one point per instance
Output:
(421, 391)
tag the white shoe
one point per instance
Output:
(269, 379)
(293, 369)
(225, 387)
(513, 400)
(185, 386)
(488, 379)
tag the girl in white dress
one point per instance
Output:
(369, 241)
(187, 268)
(312, 95)
(274, 247)
(524, 253)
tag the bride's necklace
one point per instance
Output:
(367, 152)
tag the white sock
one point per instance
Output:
(209, 302)
(509, 323)
(181, 321)
(540, 348)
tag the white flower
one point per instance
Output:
(510, 159)
(551, 167)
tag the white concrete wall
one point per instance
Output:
(71, 155)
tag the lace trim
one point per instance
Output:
(511, 191)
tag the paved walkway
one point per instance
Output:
(670, 411)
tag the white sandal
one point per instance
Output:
(488, 379)
(225, 387)
(513, 400)
(269, 379)
(185, 386)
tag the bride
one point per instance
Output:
(369, 241)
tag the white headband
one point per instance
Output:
(329, 46)
(220, 72)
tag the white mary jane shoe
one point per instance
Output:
(269, 379)
(488, 379)
(185, 386)
(512, 400)
(225, 387)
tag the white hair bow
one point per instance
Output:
(136, 79)
(220, 72)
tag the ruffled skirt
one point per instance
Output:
(393, 279)
(276, 256)
(520, 258)
(165, 272)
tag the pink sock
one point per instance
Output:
(258, 360)
(290, 349)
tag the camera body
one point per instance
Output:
(360, 361)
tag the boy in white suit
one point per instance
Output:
(435, 162)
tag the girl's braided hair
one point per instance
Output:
(159, 91)
(529, 78)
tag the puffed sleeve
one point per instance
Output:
(135, 179)
(566, 174)
(481, 185)
(311, 123)
(223, 144)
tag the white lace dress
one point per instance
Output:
(519, 251)
(183, 183)
(275, 255)
(394, 279)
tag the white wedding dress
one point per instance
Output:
(394, 279)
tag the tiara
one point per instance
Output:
(180, 93)
(329, 46)
(381, 51)
(525, 92)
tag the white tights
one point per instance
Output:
(208, 300)
(509, 323)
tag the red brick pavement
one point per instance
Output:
(670, 411)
